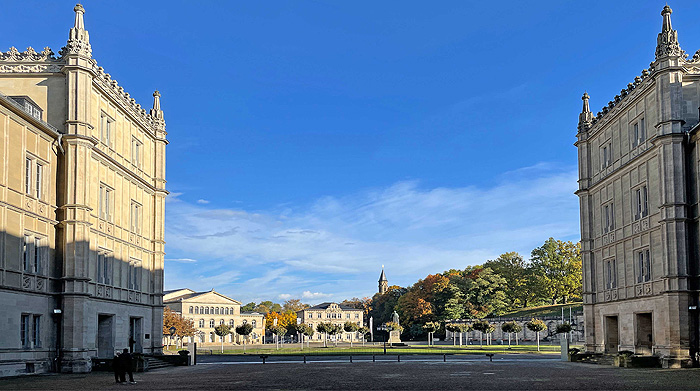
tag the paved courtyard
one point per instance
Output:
(412, 373)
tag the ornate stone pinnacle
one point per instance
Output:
(585, 119)
(667, 41)
(78, 39)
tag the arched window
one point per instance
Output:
(211, 337)
(206, 310)
(216, 310)
(226, 311)
(201, 323)
(196, 310)
(253, 322)
(211, 310)
(211, 323)
(191, 309)
(245, 321)
(221, 321)
(231, 323)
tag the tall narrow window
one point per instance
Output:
(37, 267)
(100, 267)
(36, 332)
(643, 266)
(27, 253)
(136, 148)
(105, 129)
(39, 178)
(610, 274)
(135, 217)
(28, 177)
(134, 275)
(606, 155)
(105, 202)
(641, 203)
(24, 330)
(201, 323)
(608, 218)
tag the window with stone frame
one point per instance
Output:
(211, 323)
(638, 132)
(201, 323)
(643, 265)
(106, 123)
(606, 154)
(641, 202)
(24, 330)
(134, 275)
(136, 215)
(104, 267)
(36, 331)
(232, 323)
(608, 217)
(610, 270)
(136, 151)
(105, 202)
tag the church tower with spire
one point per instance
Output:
(638, 190)
(88, 209)
(383, 283)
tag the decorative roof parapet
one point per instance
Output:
(29, 55)
(667, 42)
(149, 120)
(638, 80)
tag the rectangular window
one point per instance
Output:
(643, 266)
(105, 202)
(39, 177)
(201, 323)
(106, 129)
(100, 268)
(28, 177)
(606, 155)
(639, 135)
(134, 277)
(135, 217)
(608, 218)
(38, 261)
(610, 274)
(136, 147)
(641, 203)
(211, 323)
(36, 333)
(24, 331)
(27, 253)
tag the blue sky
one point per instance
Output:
(314, 141)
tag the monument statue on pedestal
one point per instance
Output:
(395, 335)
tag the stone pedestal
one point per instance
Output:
(564, 347)
(394, 336)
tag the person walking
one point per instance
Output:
(117, 367)
(126, 360)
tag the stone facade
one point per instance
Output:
(638, 189)
(210, 309)
(333, 313)
(82, 202)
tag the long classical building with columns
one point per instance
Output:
(639, 189)
(82, 202)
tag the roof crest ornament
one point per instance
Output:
(667, 41)
(29, 55)
(585, 119)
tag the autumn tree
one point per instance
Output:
(364, 304)
(516, 271)
(556, 266)
(293, 305)
(183, 327)
(430, 328)
(283, 319)
(250, 307)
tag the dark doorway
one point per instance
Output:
(135, 333)
(105, 336)
(612, 334)
(644, 333)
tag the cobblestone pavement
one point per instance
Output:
(412, 373)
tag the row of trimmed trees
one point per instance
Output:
(223, 330)
(327, 329)
(510, 328)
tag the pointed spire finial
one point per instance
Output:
(156, 112)
(79, 12)
(78, 38)
(667, 42)
(585, 119)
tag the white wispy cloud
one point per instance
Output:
(202, 201)
(284, 296)
(181, 260)
(338, 244)
(315, 295)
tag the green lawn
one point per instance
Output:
(360, 350)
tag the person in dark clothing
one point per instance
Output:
(117, 368)
(126, 366)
